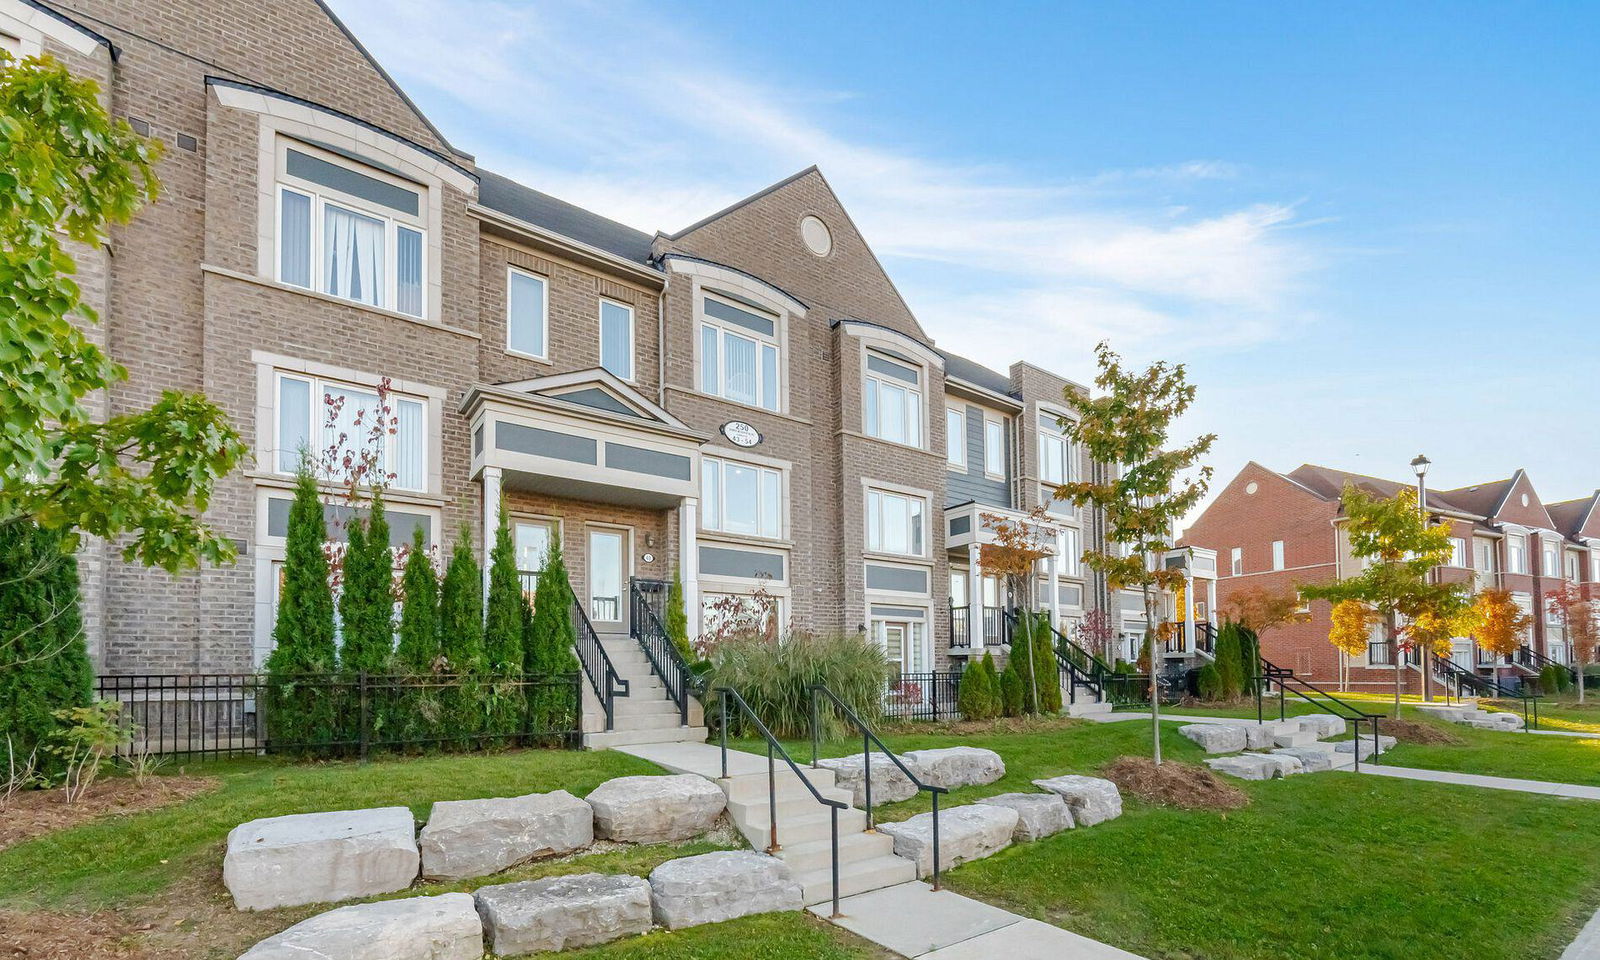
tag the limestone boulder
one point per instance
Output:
(1247, 766)
(1384, 743)
(445, 927)
(320, 857)
(966, 833)
(952, 767)
(1259, 736)
(721, 886)
(1092, 800)
(1313, 759)
(649, 809)
(1298, 737)
(474, 838)
(889, 782)
(560, 913)
(1217, 737)
(1323, 725)
(1038, 814)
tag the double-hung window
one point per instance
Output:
(339, 427)
(1055, 452)
(994, 448)
(1277, 554)
(351, 233)
(741, 498)
(895, 523)
(955, 437)
(1236, 561)
(1069, 550)
(1516, 554)
(1458, 552)
(738, 352)
(1549, 562)
(893, 400)
(527, 313)
(616, 338)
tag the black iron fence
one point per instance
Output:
(922, 696)
(213, 716)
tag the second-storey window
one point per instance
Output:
(616, 338)
(955, 437)
(894, 523)
(1549, 562)
(527, 307)
(1485, 556)
(893, 400)
(350, 234)
(1516, 554)
(338, 426)
(1056, 462)
(1277, 554)
(1458, 552)
(994, 448)
(741, 498)
(1236, 561)
(1069, 547)
(738, 352)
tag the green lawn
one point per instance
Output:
(772, 936)
(1564, 713)
(1522, 755)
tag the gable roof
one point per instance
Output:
(595, 389)
(1572, 516)
(1484, 499)
(558, 216)
(1328, 483)
(737, 204)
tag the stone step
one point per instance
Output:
(804, 829)
(648, 721)
(791, 803)
(1294, 738)
(817, 886)
(753, 786)
(853, 848)
(623, 738)
(1086, 708)
(640, 706)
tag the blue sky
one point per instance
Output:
(1368, 229)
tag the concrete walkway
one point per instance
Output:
(915, 921)
(1587, 946)
(1568, 790)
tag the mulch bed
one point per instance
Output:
(1417, 731)
(65, 936)
(1174, 784)
(33, 813)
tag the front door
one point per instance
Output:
(608, 576)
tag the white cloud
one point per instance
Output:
(657, 127)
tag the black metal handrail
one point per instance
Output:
(603, 677)
(1205, 637)
(1081, 667)
(1538, 661)
(868, 739)
(1271, 673)
(666, 660)
(961, 625)
(1448, 671)
(774, 750)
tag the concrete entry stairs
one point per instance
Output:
(866, 858)
(646, 715)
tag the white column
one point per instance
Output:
(491, 521)
(1051, 568)
(974, 600)
(1188, 610)
(1211, 601)
(689, 561)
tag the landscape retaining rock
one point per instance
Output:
(474, 838)
(320, 857)
(965, 833)
(445, 927)
(720, 886)
(648, 809)
(952, 767)
(1216, 737)
(1323, 725)
(1315, 758)
(1092, 800)
(1249, 766)
(1258, 736)
(889, 782)
(1038, 814)
(1385, 742)
(560, 913)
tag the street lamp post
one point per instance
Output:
(1419, 466)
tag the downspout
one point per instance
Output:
(661, 343)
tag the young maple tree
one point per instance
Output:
(1019, 544)
(1398, 547)
(1095, 634)
(1580, 620)
(1151, 486)
(1502, 624)
(1262, 608)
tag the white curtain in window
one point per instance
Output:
(709, 365)
(294, 423)
(741, 367)
(408, 271)
(711, 494)
(769, 376)
(294, 239)
(770, 500)
(741, 499)
(892, 413)
(343, 438)
(408, 439)
(352, 255)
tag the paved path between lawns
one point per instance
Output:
(1587, 946)
(1567, 790)
(914, 920)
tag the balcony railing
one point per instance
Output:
(1381, 654)
(960, 626)
(994, 626)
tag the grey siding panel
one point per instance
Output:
(728, 562)
(960, 525)
(899, 613)
(974, 485)
(337, 517)
(897, 578)
(621, 456)
(600, 400)
(545, 443)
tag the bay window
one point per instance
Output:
(741, 498)
(340, 426)
(1516, 554)
(1056, 462)
(1458, 552)
(616, 338)
(893, 400)
(1549, 562)
(350, 234)
(895, 523)
(738, 352)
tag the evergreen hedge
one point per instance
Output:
(44, 661)
(1230, 675)
(549, 635)
(366, 602)
(300, 710)
(502, 635)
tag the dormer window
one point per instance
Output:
(739, 352)
(350, 231)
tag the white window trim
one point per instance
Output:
(960, 459)
(321, 196)
(633, 343)
(722, 496)
(1000, 424)
(927, 524)
(316, 389)
(918, 431)
(1236, 562)
(544, 313)
(1277, 555)
(777, 341)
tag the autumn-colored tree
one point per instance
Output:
(1398, 547)
(1095, 633)
(1502, 624)
(1149, 485)
(1262, 608)
(1352, 627)
(1580, 620)
(1019, 545)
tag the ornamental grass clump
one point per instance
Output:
(776, 680)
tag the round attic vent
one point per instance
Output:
(1524, 499)
(817, 237)
(1252, 487)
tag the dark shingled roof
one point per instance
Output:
(558, 216)
(1569, 515)
(1482, 498)
(975, 373)
(1329, 484)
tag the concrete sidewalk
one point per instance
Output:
(915, 921)
(1545, 787)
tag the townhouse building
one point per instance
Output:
(747, 402)
(1279, 530)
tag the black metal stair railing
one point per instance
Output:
(869, 739)
(1269, 673)
(1537, 661)
(1082, 668)
(647, 600)
(603, 677)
